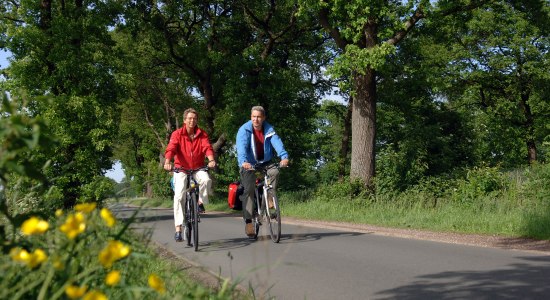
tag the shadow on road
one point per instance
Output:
(148, 215)
(518, 281)
(227, 244)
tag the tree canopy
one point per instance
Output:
(426, 86)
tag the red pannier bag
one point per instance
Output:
(233, 197)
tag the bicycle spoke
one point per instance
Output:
(274, 219)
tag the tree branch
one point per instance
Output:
(333, 32)
(411, 22)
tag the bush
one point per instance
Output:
(479, 183)
(84, 253)
(75, 254)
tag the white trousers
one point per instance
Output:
(180, 182)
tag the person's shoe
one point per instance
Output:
(249, 229)
(178, 236)
(201, 208)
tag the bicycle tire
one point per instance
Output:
(273, 217)
(195, 222)
(188, 220)
(257, 215)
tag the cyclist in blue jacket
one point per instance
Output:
(256, 140)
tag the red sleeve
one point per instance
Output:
(206, 146)
(172, 145)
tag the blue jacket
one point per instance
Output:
(246, 151)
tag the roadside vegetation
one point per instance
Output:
(478, 201)
(484, 201)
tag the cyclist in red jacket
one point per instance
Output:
(189, 146)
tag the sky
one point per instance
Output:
(3, 59)
(116, 173)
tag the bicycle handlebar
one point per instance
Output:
(263, 166)
(190, 171)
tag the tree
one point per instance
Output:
(232, 55)
(497, 72)
(366, 33)
(64, 50)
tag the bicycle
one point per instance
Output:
(262, 193)
(191, 206)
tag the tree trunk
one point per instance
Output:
(148, 185)
(363, 122)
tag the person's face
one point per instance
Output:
(190, 120)
(257, 119)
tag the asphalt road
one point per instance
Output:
(319, 263)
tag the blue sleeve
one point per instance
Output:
(277, 144)
(242, 141)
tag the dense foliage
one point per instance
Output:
(427, 88)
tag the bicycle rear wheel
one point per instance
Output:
(195, 220)
(273, 216)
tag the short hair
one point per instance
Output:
(190, 110)
(258, 108)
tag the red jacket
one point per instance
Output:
(188, 154)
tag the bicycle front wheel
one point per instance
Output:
(195, 218)
(188, 220)
(273, 216)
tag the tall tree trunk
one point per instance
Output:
(363, 121)
(346, 136)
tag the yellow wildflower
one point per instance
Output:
(34, 225)
(107, 217)
(19, 255)
(31, 259)
(85, 207)
(95, 295)
(114, 251)
(75, 292)
(112, 278)
(58, 212)
(156, 283)
(36, 258)
(74, 225)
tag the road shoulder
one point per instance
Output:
(491, 241)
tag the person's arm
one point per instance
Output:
(277, 144)
(242, 144)
(208, 151)
(170, 151)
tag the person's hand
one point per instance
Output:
(212, 164)
(167, 166)
(247, 166)
(284, 163)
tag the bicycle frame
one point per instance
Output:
(262, 210)
(191, 213)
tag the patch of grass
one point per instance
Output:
(486, 201)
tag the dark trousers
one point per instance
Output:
(248, 180)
